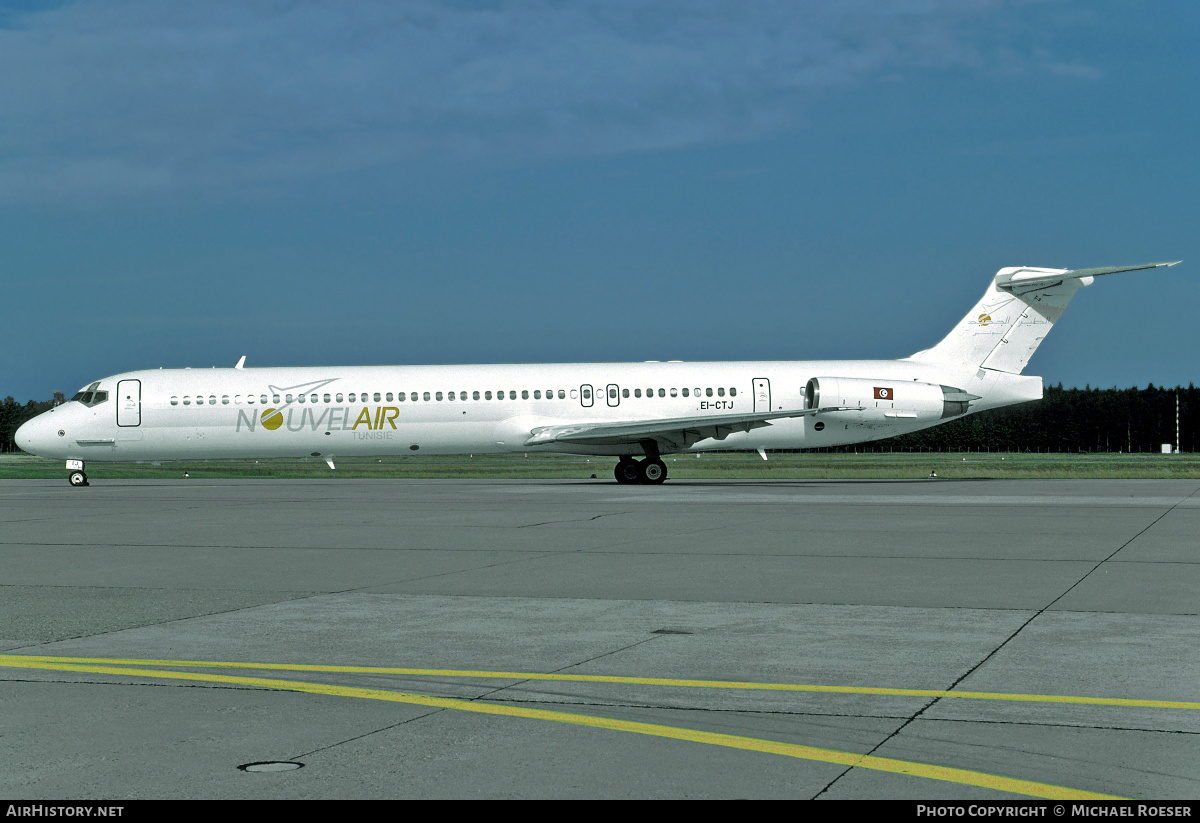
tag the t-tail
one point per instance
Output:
(1015, 314)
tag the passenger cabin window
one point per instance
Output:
(720, 392)
(426, 395)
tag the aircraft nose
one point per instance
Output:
(28, 436)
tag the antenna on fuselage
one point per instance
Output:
(241, 362)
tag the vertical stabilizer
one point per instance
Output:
(1015, 314)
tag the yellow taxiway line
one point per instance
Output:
(637, 681)
(885, 764)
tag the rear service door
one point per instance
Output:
(129, 403)
(762, 394)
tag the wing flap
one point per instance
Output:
(678, 432)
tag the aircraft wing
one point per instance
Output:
(674, 433)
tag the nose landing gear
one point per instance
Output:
(76, 476)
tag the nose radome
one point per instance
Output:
(32, 435)
(24, 437)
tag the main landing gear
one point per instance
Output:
(649, 471)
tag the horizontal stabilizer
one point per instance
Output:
(1020, 280)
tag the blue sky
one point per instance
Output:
(470, 182)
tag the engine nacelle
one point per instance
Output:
(885, 400)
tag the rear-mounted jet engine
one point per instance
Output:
(868, 402)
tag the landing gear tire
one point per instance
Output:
(77, 479)
(627, 471)
(652, 472)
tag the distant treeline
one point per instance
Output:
(1064, 420)
(13, 414)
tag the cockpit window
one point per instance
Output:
(90, 397)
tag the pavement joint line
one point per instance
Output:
(917, 714)
(37, 661)
(801, 752)
(573, 520)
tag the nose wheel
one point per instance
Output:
(77, 478)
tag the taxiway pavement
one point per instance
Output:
(923, 639)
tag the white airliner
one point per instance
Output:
(636, 412)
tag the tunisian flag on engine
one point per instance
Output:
(883, 394)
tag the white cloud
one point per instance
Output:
(125, 97)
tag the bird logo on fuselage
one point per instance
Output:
(272, 418)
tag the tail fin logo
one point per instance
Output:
(984, 319)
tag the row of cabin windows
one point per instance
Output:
(720, 392)
(401, 397)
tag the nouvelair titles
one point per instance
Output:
(298, 418)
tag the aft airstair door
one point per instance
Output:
(129, 403)
(762, 394)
